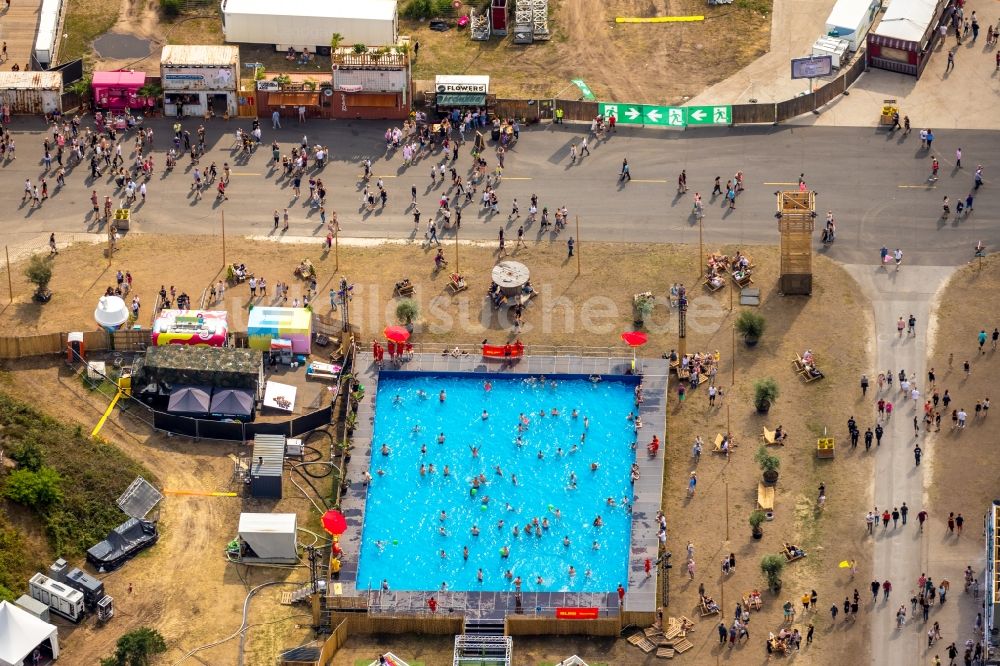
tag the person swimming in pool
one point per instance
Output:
(566, 541)
(385, 449)
(524, 419)
(504, 552)
(442, 395)
(517, 583)
(516, 531)
(513, 479)
(559, 451)
(573, 449)
(586, 422)
(588, 572)
(482, 478)
(422, 394)
(575, 413)
(475, 451)
(431, 469)
(423, 469)
(475, 530)
(475, 482)
(442, 532)
(500, 524)
(509, 575)
(497, 470)
(541, 456)
(397, 399)
(380, 472)
(534, 521)
(528, 529)
(557, 513)
(509, 507)
(594, 466)
(440, 438)
(598, 521)
(380, 544)
(611, 501)
(423, 449)
(572, 571)
(443, 554)
(555, 412)
(442, 516)
(446, 471)
(519, 441)
(417, 428)
(545, 523)
(595, 546)
(539, 581)
(479, 575)
(485, 415)
(630, 417)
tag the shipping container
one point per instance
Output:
(31, 92)
(309, 23)
(369, 80)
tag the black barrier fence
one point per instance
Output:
(236, 431)
(72, 71)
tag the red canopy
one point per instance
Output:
(334, 522)
(396, 333)
(634, 338)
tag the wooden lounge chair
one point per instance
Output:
(765, 496)
(404, 288)
(791, 555)
(751, 603)
(457, 283)
(719, 438)
(705, 610)
(770, 438)
(714, 287)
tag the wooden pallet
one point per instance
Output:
(652, 631)
(286, 598)
(641, 642)
(665, 653)
(683, 646)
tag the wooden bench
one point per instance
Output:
(403, 288)
(751, 603)
(706, 611)
(719, 438)
(765, 496)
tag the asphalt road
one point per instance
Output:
(876, 184)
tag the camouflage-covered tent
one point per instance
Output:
(221, 367)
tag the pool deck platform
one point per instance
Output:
(641, 594)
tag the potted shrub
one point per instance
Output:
(352, 421)
(345, 449)
(359, 48)
(765, 392)
(751, 326)
(335, 40)
(772, 566)
(643, 305)
(39, 273)
(769, 465)
(756, 520)
(406, 312)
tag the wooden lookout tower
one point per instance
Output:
(796, 215)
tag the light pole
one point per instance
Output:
(345, 295)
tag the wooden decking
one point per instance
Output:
(17, 28)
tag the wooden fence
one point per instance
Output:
(55, 343)
(362, 623)
(540, 109)
(549, 626)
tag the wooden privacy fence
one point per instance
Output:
(548, 626)
(363, 623)
(539, 109)
(23, 346)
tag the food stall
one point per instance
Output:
(268, 323)
(453, 92)
(200, 80)
(182, 327)
(118, 91)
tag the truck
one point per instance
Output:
(310, 23)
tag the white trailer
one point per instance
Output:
(60, 598)
(851, 20)
(310, 23)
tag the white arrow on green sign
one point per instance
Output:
(708, 115)
(625, 114)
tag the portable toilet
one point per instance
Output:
(498, 16)
(74, 347)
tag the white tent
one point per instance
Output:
(270, 537)
(20, 633)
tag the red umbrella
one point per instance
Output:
(634, 338)
(334, 522)
(396, 333)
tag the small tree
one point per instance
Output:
(360, 48)
(34, 489)
(407, 310)
(335, 40)
(767, 462)
(136, 648)
(750, 325)
(772, 566)
(765, 392)
(757, 519)
(39, 273)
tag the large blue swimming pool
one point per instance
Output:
(403, 539)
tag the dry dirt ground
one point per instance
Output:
(182, 586)
(566, 313)
(654, 63)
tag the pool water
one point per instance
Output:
(401, 541)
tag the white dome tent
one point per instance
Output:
(21, 633)
(111, 313)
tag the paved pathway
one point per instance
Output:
(900, 555)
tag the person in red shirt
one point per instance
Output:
(621, 590)
(432, 604)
